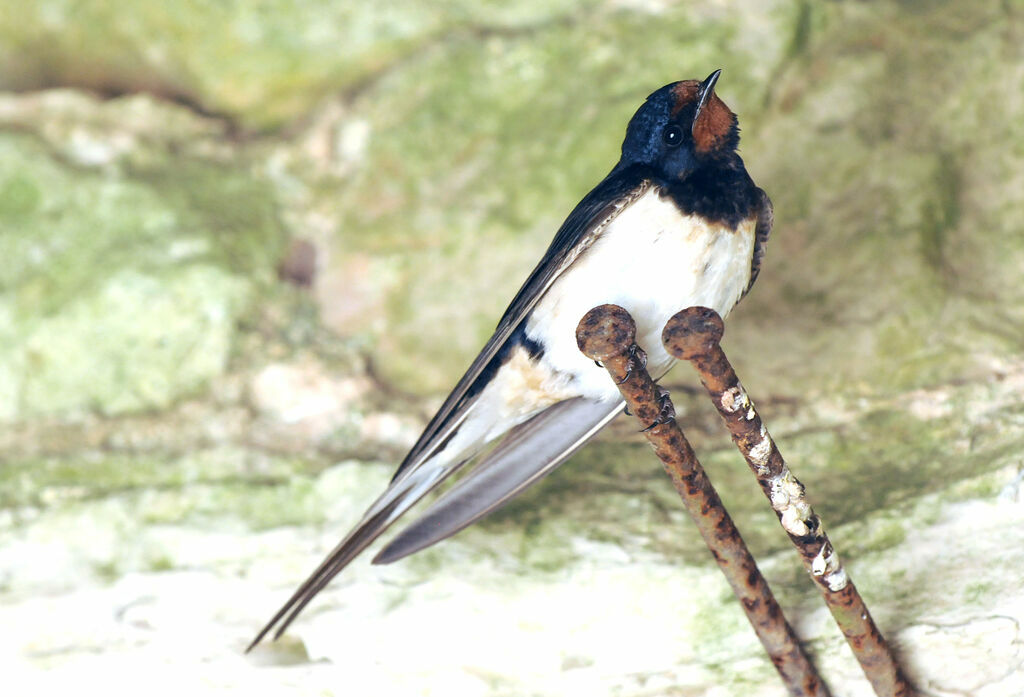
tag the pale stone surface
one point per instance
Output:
(477, 618)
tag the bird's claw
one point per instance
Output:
(667, 413)
(636, 354)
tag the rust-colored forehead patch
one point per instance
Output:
(685, 93)
(715, 120)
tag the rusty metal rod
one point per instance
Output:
(694, 335)
(607, 334)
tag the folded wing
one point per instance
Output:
(528, 453)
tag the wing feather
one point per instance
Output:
(762, 230)
(528, 453)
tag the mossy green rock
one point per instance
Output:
(137, 343)
(261, 63)
(120, 291)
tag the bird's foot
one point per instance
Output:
(637, 357)
(667, 413)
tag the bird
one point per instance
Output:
(677, 222)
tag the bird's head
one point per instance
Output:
(680, 127)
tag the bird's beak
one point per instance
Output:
(706, 89)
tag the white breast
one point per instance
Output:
(653, 261)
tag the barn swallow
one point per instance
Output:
(677, 222)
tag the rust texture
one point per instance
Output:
(694, 335)
(607, 335)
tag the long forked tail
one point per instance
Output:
(396, 500)
(528, 453)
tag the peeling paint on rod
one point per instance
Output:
(607, 334)
(694, 335)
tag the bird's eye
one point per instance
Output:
(672, 135)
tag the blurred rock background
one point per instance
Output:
(246, 247)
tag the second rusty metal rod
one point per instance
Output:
(694, 335)
(607, 334)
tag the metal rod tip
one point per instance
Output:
(605, 332)
(693, 332)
